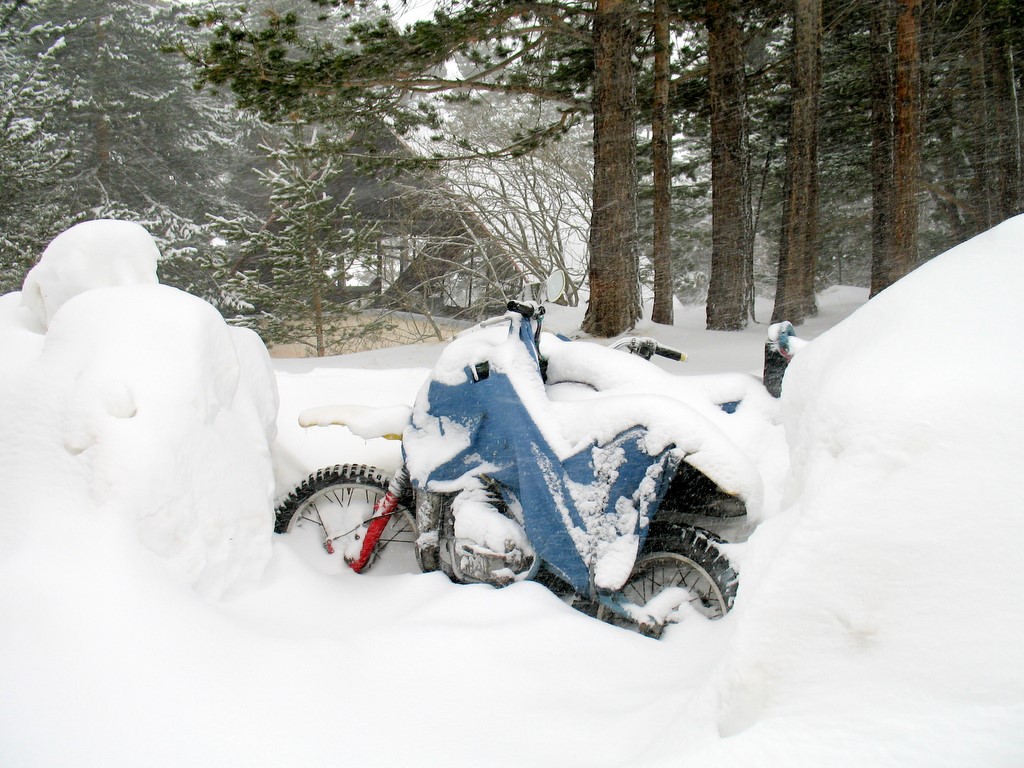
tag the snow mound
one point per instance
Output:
(877, 622)
(138, 409)
(93, 254)
(893, 566)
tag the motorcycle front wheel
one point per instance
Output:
(337, 503)
(681, 570)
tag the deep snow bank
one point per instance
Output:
(881, 604)
(137, 403)
(876, 623)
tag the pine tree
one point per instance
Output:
(562, 52)
(291, 275)
(33, 158)
(135, 140)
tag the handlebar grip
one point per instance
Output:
(671, 354)
(527, 310)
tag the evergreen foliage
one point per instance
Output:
(300, 275)
(34, 158)
(349, 63)
(99, 120)
(576, 55)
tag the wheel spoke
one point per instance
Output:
(337, 504)
(664, 571)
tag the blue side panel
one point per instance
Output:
(548, 510)
(629, 473)
(475, 406)
(505, 436)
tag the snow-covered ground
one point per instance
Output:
(148, 616)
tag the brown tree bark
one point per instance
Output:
(983, 196)
(882, 135)
(731, 284)
(614, 305)
(661, 151)
(1007, 118)
(898, 124)
(101, 124)
(799, 246)
(907, 155)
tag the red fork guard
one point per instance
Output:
(382, 512)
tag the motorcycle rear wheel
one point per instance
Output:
(338, 501)
(681, 566)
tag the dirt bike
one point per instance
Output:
(517, 466)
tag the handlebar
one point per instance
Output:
(526, 308)
(647, 347)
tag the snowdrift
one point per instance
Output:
(149, 617)
(129, 400)
(879, 606)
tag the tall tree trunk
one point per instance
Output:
(614, 304)
(798, 249)
(907, 157)
(1007, 117)
(939, 92)
(101, 134)
(729, 290)
(983, 189)
(661, 150)
(101, 125)
(319, 323)
(882, 137)
(895, 242)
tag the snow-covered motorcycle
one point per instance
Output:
(521, 465)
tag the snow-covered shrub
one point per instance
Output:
(92, 254)
(139, 402)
